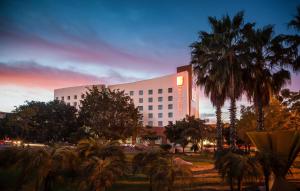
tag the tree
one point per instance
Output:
(236, 168)
(44, 122)
(109, 114)
(39, 167)
(210, 79)
(189, 129)
(160, 168)
(103, 163)
(267, 70)
(224, 48)
(295, 22)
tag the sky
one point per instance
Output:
(52, 44)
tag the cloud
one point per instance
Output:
(80, 47)
(31, 74)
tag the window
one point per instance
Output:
(62, 98)
(150, 107)
(140, 108)
(140, 100)
(75, 104)
(131, 93)
(170, 114)
(82, 96)
(150, 92)
(160, 99)
(150, 123)
(160, 115)
(160, 123)
(170, 98)
(141, 92)
(68, 103)
(56, 98)
(170, 90)
(75, 96)
(160, 91)
(150, 115)
(69, 97)
(160, 107)
(170, 106)
(150, 99)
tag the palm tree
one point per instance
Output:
(103, 162)
(236, 168)
(295, 22)
(214, 87)
(265, 74)
(220, 53)
(161, 169)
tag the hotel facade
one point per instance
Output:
(161, 100)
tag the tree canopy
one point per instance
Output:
(109, 114)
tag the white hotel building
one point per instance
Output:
(160, 100)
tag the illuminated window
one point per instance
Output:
(179, 80)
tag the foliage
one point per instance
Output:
(103, 163)
(93, 165)
(109, 114)
(160, 168)
(165, 147)
(236, 168)
(188, 130)
(43, 122)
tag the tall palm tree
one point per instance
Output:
(219, 52)
(266, 72)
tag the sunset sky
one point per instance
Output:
(52, 44)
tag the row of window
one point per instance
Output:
(159, 99)
(69, 97)
(160, 115)
(159, 107)
(150, 92)
(159, 123)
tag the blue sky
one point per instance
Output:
(51, 44)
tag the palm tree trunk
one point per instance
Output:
(219, 128)
(260, 116)
(231, 184)
(267, 182)
(239, 184)
(232, 127)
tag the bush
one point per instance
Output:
(166, 147)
